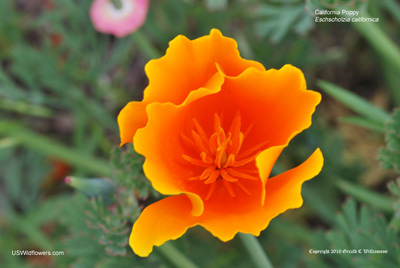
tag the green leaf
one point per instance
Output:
(50, 147)
(389, 155)
(363, 194)
(359, 229)
(354, 102)
(127, 165)
(32, 232)
(25, 108)
(394, 187)
(24, 172)
(275, 21)
(362, 122)
(146, 46)
(47, 210)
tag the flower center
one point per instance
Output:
(119, 9)
(221, 156)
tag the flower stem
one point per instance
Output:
(257, 254)
(175, 257)
(52, 148)
(145, 46)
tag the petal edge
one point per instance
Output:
(290, 183)
(164, 220)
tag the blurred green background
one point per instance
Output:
(62, 85)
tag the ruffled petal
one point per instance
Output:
(277, 102)
(162, 221)
(283, 192)
(211, 126)
(161, 145)
(132, 117)
(187, 67)
(265, 161)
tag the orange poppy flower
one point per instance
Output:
(211, 126)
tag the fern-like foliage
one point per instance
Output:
(389, 155)
(100, 225)
(277, 19)
(364, 239)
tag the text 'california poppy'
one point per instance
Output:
(211, 126)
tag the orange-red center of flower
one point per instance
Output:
(221, 156)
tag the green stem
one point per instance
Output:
(25, 108)
(363, 122)
(52, 148)
(145, 45)
(175, 257)
(257, 254)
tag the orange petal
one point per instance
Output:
(276, 101)
(162, 221)
(188, 67)
(265, 161)
(282, 192)
(241, 213)
(197, 204)
(161, 144)
(131, 117)
(160, 141)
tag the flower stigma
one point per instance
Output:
(221, 156)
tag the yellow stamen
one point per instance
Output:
(220, 154)
(239, 174)
(195, 161)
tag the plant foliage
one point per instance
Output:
(364, 238)
(389, 155)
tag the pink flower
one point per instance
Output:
(107, 18)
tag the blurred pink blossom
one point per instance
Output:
(107, 18)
